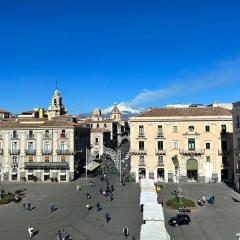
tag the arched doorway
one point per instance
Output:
(160, 173)
(142, 173)
(192, 170)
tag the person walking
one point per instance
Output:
(29, 206)
(107, 217)
(30, 231)
(88, 196)
(24, 206)
(111, 196)
(125, 232)
(78, 187)
(51, 207)
(98, 207)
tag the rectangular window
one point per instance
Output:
(208, 145)
(191, 144)
(208, 159)
(15, 134)
(63, 134)
(141, 130)
(46, 146)
(141, 160)
(207, 128)
(63, 145)
(175, 129)
(47, 158)
(238, 122)
(30, 145)
(160, 160)
(63, 158)
(174, 145)
(47, 133)
(14, 146)
(96, 140)
(223, 129)
(30, 158)
(160, 145)
(141, 145)
(160, 130)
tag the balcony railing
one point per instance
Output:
(14, 136)
(14, 151)
(160, 135)
(30, 151)
(141, 135)
(64, 152)
(160, 152)
(1, 151)
(30, 136)
(192, 152)
(46, 165)
(47, 151)
(138, 152)
(47, 136)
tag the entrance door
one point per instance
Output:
(160, 173)
(142, 173)
(192, 170)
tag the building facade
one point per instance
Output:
(43, 150)
(192, 143)
(236, 142)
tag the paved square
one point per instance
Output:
(71, 213)
(219, 222)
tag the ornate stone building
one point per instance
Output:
(236, 141)
(193, 143)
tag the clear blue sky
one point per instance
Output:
(145, 53)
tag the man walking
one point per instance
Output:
(30, 231)
(29, 206)
(125, 232)
(51, 207)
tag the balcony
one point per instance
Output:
(47, 151)
(139, 152)
(160, 152)
(30, 136)
(1, 151)
(15, 137)
(30, 151)
(14, 151)
(64, 152)
(47, 136)
(63, 135)
(46, 165)
(160, 135)
(141, 135)
(194, 152)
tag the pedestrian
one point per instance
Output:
(125, 232)
(51, 207)
(29, 206)
(24, 206)
(112, 188)
(111, 196)
(107, 216)
(98, 207)
(30, 231)
(88, 196)
(89, 206)
(78, 187)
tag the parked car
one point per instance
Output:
(179, 219)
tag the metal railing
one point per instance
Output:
(47, 151)
(14, 151)
(30, 136)
(192, 151)
(160, 152)
(64, 152)
(30, 151)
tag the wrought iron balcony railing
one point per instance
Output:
(30, 151)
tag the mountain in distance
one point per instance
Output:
(125, 109)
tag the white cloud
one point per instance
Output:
(225, 73)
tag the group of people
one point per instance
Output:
(210, 200)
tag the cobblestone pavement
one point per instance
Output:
(71, 213)
(219, 222)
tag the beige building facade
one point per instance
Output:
(193, 143)
(236, 142)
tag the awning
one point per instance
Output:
(92, 166)
(153, 212)
(46, 165)
(148, 197)
(154, 231)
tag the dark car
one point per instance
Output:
(179, 219)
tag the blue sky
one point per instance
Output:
(143, 53)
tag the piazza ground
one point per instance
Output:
(219, 222)
(71, 213)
